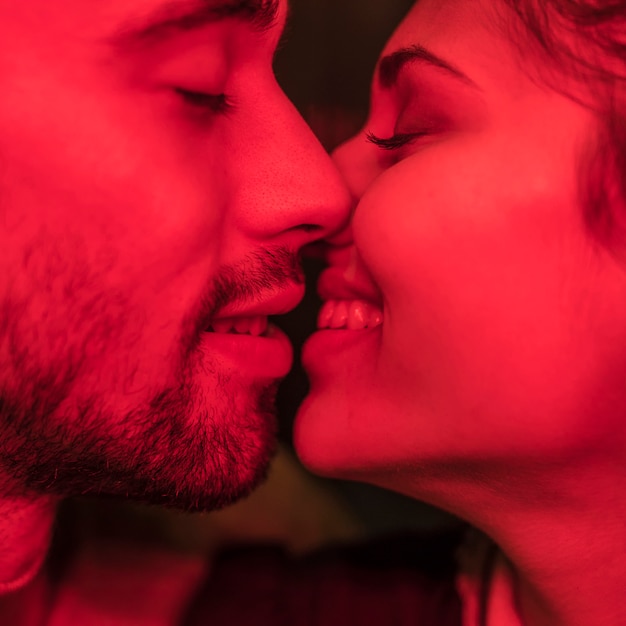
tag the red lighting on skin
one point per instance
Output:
(156, 190)
(494, 386)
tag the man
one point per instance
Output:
(155, 189)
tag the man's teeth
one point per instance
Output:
(255, 326)
(349, 314)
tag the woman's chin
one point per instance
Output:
(332, 437)
(319, 445)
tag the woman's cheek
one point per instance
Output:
(387, 228)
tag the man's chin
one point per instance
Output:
(192, 447)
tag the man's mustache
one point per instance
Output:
(263, 272)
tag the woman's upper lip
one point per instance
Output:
(333, 284)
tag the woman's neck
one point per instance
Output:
(562, 529)
(570, 570)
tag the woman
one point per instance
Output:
(472, 344)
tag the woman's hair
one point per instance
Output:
(584, 41)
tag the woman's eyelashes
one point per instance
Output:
(205, 102)
(397, 141)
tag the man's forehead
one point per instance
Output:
(130, 25)
(143, 21)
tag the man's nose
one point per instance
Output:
(350, 160)
(294, 190)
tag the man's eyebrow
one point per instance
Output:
(175, 17)
(390, 66)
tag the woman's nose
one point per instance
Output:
(356, 162)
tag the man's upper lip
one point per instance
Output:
(334, 285)
(270, 302)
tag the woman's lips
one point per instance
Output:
(349, 335)
(337, 283)
(351, 300)
(349, 314)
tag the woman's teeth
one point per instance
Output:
(335, 314)
(349, 314)
(255, 326)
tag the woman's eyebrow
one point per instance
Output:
(174, 17)
(393, 64)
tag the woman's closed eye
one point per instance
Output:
(397, 141)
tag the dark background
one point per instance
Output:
(325, 66)
(327, 58)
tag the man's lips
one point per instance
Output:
(251, 317)
(254, 325)
(269, 355)
(244, 341)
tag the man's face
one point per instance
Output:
(155, 188)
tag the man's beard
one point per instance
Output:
(176, 452)
(199, 444)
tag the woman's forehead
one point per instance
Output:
(464, 33)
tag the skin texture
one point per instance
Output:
(494, 387)
(129, 214)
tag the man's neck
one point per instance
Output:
(25, 531)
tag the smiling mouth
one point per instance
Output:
(256, 326)
(349, 315)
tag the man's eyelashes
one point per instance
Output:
(213, 103)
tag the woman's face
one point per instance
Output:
(504, 332)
